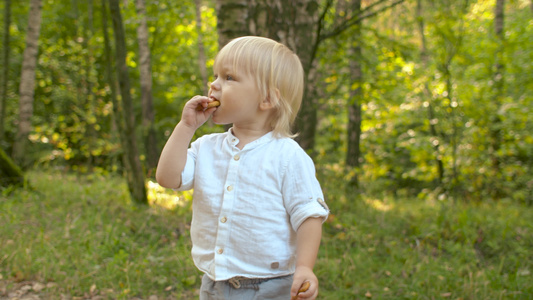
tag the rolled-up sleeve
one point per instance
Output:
(303, 196)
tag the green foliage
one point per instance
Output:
(446, 108)
(418, 110)
(73, 117)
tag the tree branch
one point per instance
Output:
(318, 33)
(366, 13)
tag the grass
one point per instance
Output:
(82, 234)
(405, 250)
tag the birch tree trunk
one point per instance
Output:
(27, 82)
(148, 131)
(5, 67)
(232, 20)
(134, 171)
(201, 48)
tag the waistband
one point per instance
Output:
(239, 282)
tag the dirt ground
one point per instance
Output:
(32, 290)
(25, 290)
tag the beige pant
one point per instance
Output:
(246, 289)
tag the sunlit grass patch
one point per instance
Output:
(378, 204)
(166, 198)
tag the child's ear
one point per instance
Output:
(270, 101)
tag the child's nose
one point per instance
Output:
(214, 85)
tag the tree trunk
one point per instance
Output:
(496, 121)
(5, 67)
(354, 104)
(307, 119)
(27, 82)
(303, 35)
(454, 137)
(117, 128)
(10, 173)
(201, 49)
(428, 96)
(87, 81)
(146, 88)
(498, 85)
(232, 20)
(134, 171)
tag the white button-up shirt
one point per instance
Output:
(248, 204)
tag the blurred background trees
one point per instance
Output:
(417, 98)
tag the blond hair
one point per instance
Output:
(277, 71)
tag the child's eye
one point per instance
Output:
(229, 77)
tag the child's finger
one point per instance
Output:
(197, 101)
(209, 105)
(303, 288)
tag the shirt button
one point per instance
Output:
(223, 220)
(220, 251)
(237, 157)
(230, 188)
(323, 203)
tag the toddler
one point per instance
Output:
(257, 205)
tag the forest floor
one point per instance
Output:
(27, 290)
(34, 290)
(22, 291)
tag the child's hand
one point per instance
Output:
(194, 118)
(302, 275)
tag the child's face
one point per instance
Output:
(238, 95)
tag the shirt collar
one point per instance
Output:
(233, 140)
